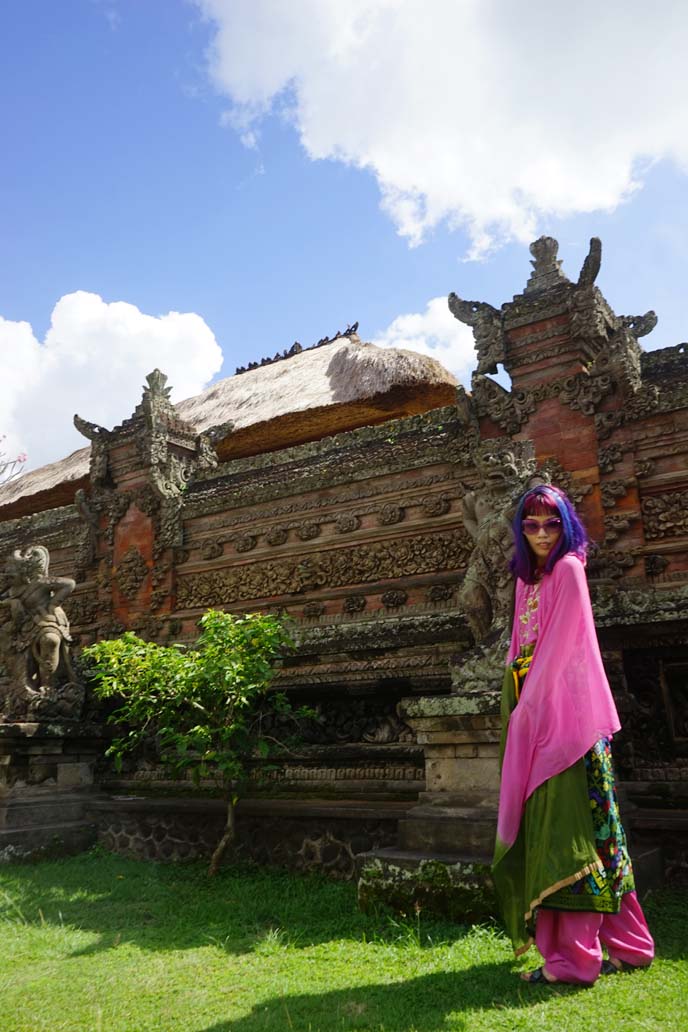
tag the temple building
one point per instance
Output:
(365, 495)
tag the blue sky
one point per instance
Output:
(277, 170)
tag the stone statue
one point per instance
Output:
(504, 468)
(39, 678)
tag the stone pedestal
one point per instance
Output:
(46, 782)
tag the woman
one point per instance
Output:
(561, 866)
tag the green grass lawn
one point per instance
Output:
(97, 943)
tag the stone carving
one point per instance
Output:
(644, 468)
(667, 364)
(665, 515)
(356, 460)
(511, 409)
(488, 334)
(435, 505)
(611, 490)
(211, 549)
(617, 524)
(277, 535)
(394, 599)
(639, 325)
(508, 409)
(81, 609)
(583, 392)
(592, 263)
(346, 523)
(308, 531)
(377, 561)
(655, 565)
(547, 272)
(440, 592)
(158, 598)
(366, 635)
(38, 679)
(245, 542)
(169, 450)
(131, 573)
(614, 607)
(354, 603)
(309, 575)
(609, 457)
(605, 563)
(552, 472)
(504, 469)
(313, 609)
(607, 422)
(390, 514)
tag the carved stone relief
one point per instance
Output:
(385, 560)
(346, 523)
(277, 536)
(617, 524)
(308, 531)
(211, 549)
(440, 592)
(665, 515)
(394, 599)
(435, 505)
(245, 542)
(611, 490)
(131, 573)
(486, 323)
(390, 514)
(610, 457)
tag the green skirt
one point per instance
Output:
(570, 852)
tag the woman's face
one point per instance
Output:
(542, 534)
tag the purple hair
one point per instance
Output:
(540, 500)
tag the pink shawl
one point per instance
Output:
(566, 704)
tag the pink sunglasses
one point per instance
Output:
(533, 526)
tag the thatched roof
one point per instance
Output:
(322, 391)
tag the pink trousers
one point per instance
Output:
(571, 942)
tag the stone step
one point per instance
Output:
(29, 812)
(437, 829)
(50, 840)
(452, 885)
(411, 859)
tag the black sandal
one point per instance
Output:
(537, 977)
(610, 968)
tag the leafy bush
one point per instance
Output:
(204, 704)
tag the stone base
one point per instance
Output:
(453, 887)
(48, 841)
(320, 835)
(46, 781)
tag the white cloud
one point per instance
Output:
(482, 113)
(434, 332)
(93, 361)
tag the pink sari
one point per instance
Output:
(566, 705)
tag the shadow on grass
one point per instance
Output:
(422, 1004)
(160, 907)
(244, 910)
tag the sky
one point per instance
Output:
(196, 184)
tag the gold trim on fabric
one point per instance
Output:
(523, 949)
(588, 869)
